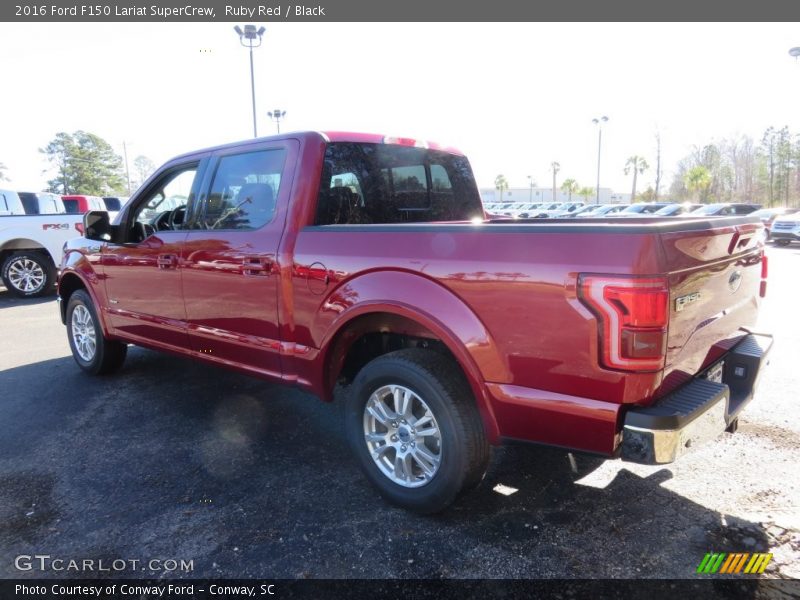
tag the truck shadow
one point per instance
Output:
(170, 458)
(8, 299)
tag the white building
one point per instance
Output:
(543, 194)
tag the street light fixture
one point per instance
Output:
(248, 39)
(276, 115)
(795, 52)
(599, 122)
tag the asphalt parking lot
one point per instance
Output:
(174, 460)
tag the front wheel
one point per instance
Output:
(94, 353)
(28, 274)
(782, 242)
(414, 427)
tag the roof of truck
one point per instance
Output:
(331, 136)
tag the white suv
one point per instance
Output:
(785, 229)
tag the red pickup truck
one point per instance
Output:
(320, 259)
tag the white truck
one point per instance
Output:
(30, 248)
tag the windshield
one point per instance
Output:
(709, 209)
(670, 209)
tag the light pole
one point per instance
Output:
(530, 183)
(599, 122)
(127, 170)
(276, 115)
(556, 168)
(250, 34)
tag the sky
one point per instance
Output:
(513, 97)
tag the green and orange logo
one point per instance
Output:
(734, 563)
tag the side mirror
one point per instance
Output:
(96, 226)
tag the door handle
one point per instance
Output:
(255, 265)
(166, 261)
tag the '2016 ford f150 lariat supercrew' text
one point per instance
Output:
(315, 259)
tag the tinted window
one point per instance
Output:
(29, 203)
(71, 206)
(244, 191)
(744, 210)
(382, 183)
(112, 204)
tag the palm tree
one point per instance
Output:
(569, 187)
(556, 168)
(586, 192)
(698, 179)
(500, 184)
(638, 165)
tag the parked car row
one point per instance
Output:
(34, 227)
(561, 210)
(46, 203)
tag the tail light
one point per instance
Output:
(633, 314)
(764, 273)
(79, 228)
(404, 141)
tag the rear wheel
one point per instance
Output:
(782, 242)
(414, 427)
(28, 274)
(94, 353)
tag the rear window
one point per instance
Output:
(71, 206)
(382, 183)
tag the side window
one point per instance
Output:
(31, 205)
(171, 194)
(244, 191)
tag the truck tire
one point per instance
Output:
(94, 353)
(28, 274)
(413, 425)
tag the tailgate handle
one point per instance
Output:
(738, 241)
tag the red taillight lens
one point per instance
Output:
(764, 273)
(633, 314)
(79, 228)
(404, 141)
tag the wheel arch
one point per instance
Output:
(68, 283)
(22, 244)
(421, 313)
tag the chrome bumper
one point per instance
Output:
(699, 411)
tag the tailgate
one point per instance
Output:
(715, 280)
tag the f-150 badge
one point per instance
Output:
(682, 302)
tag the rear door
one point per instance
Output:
(231, 277)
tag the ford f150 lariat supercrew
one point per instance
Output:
(321, 259)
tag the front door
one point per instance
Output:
(229, 262)
(142, 275)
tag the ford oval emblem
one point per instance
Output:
(734, 281)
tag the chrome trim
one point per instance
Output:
(660, 446)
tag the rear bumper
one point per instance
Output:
(699, 411)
